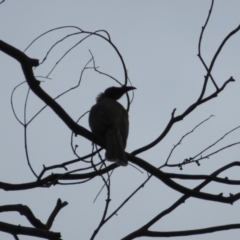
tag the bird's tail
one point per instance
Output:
(115, 148)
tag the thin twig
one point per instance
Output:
(185, 135)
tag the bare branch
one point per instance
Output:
(28, 231)
(170, 183)
(200, 43)
(54, 213)
(185, 135)
(144, 229)
(47, 181)
(27, 64)
(178, 118)
(192, 232)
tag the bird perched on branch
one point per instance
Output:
(108, 120)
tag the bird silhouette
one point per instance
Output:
(108, 120)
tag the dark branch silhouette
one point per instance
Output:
(93, 165)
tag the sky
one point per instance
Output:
(158, 41)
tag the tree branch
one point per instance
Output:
(140, 232)
(170, 183)
(39, 226)
(53, 178)
(34, 232)
(27, 64)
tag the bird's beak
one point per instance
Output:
(128, 88)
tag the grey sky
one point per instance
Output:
(158, 41)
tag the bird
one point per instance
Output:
(108, 121)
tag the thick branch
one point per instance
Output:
(26, 211)
(189, 192)
(53, 178)
(204, 177)
(27, 64)
(141, 231)
(19, 230)
(191, 232)
(164, 177)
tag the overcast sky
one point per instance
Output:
(158, 41)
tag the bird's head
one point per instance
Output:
(115, 92)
